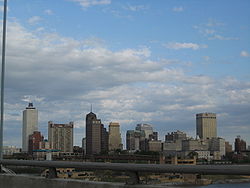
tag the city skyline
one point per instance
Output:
(96, 141)
(136, 61)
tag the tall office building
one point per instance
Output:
(94, 134)
(61, 136)
(115, 140)
(206, 126)
(104, 139)
(30, 124)
(148, 129)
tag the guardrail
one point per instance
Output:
(134, 169)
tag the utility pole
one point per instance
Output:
(2, 80)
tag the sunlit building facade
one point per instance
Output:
(115, 140)
(206, 125)
(61, 136)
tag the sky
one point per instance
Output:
(158, 62)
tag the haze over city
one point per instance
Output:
(156, 62)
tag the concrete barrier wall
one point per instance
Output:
(23, 181)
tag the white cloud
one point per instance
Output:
(93, 42)
(30, 98)
(244, 54)
(178, 9)
(177, 46)
(34, 20)
(118, 14)
(213, 30)
(209, 31)
(213, 23)
(222, 37)
(48, 12)
(40, 29)
(89, 3)
(135, 8)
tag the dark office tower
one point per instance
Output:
(93, 134)
(239, 145)
(104, 139)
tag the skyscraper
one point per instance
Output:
(148, 129)
(61, 136)
(206, 126)
(93, 134)
(115, 140)
(104, 139)
(30, 124)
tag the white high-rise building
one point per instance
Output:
(30, 124)
(61, 136)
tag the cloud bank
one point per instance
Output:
(63, 76)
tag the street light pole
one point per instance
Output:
(2, 79)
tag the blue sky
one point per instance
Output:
(137, 61)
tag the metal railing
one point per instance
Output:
(134, 169)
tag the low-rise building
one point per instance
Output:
(173, 136)
(217, 146)
(203, 155)
(10, 150)
(195, 145)
(155, 145)
(34, 141)
(173, 146)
